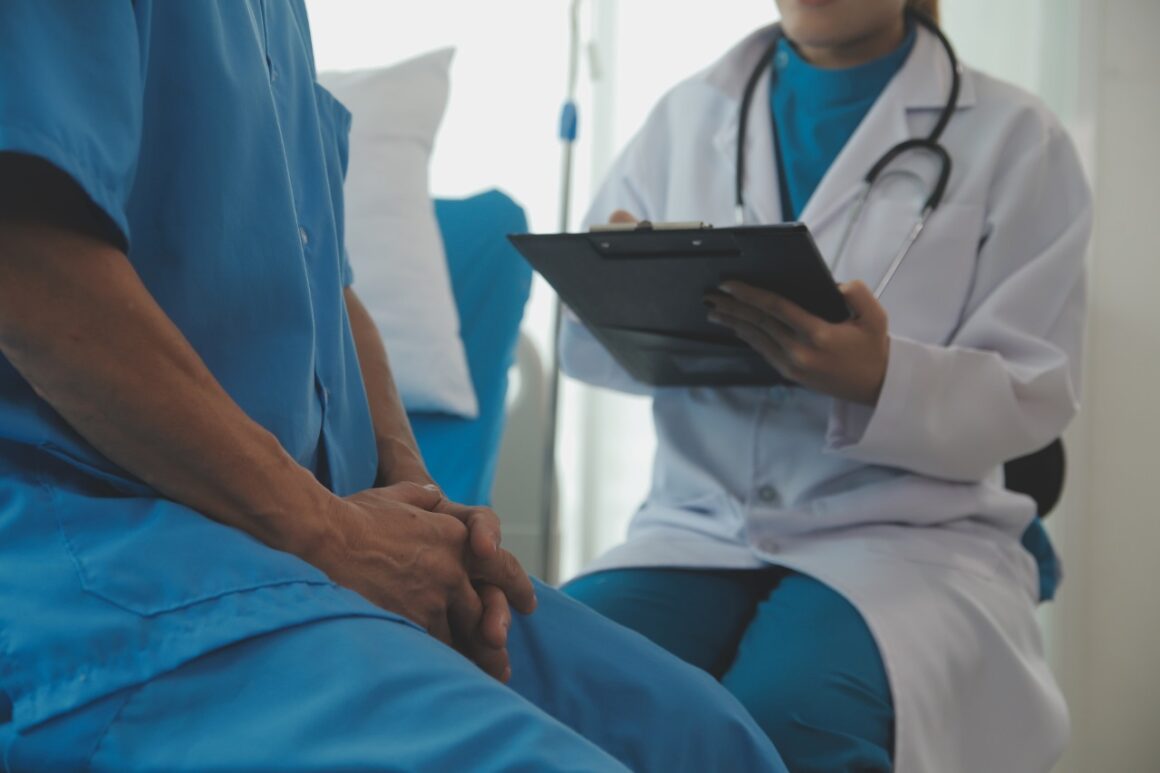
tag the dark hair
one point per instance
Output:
(928, 7)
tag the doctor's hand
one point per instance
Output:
(390, 546)
(845, 360)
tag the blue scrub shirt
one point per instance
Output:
(199, 129)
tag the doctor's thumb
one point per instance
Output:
(864, 306)
(622, 216)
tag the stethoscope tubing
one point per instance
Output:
(929, 144)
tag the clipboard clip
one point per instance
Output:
(648, 225)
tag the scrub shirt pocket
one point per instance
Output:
(150, 555)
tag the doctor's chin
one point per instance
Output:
(578, 386)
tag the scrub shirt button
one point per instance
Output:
(767, 494)
(305, 237)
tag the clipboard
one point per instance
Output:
(640, 290)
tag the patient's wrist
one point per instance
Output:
(400, 462)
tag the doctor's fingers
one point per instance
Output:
(868, 311)
(759, 340)
(785, 311)
(622, 216)
(724, 306)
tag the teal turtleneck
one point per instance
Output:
(815, 112)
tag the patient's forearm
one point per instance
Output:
(399, 457)
(78, 324)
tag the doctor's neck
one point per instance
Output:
(839, 34)
(839, 51)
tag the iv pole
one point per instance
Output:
(569, 122)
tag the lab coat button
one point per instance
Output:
(767, 494)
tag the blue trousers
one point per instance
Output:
(793, 651)
(371, 694)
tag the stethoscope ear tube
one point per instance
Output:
(930, 144)
(743, 118)
(927, 145)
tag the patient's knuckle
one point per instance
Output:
(453, 530)
(484, 516)
(407, 489)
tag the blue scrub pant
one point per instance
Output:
(372, 694)
(793, 651)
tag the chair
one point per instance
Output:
(1039, 475)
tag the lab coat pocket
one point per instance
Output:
(926, 295)
(947, 551)
(151, 555)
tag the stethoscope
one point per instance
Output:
(929, 144)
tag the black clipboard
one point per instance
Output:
(640, 291)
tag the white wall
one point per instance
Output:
(507, 85)
(1097, 64)
(1110, 613)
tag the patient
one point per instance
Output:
(198, 568)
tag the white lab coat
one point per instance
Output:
(986, 317)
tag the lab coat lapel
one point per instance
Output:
(760, 187)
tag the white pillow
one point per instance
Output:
(392, 235)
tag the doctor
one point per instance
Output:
(843, 555)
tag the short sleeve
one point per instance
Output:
(345, 269)
(71, 93)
